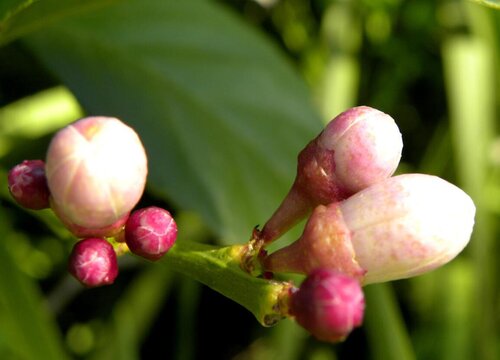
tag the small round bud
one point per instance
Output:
(400, 227)
(96, 171)
(358, 148)
(328, 304)
(150, 232)
(366, 145)
(28, 184)
(93, 262)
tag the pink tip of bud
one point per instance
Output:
(367, 147)
(328, 304)
(96, 170)
(93, 262)
(28, 184)
(150, 232)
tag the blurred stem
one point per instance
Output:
(340, 79)
(470, 81)
(219, 269)
(189, 294)
(133, 315)
(386, 331)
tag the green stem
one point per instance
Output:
(219, 268)
(387, 333)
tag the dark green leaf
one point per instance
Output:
(9, 8)
(20, 17)
(221, 113)
(26, 325)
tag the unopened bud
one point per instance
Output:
(150, 232)
(81, 232)
(93, 262)
(328, 304)
(96, 171)
(358, 148)
(28, 184)
(400, 227)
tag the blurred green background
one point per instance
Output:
(224, 94)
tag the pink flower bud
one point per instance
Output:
(366, 145)
(96, 171)
(93, 262)
(358, 148)
(150, 232)
(28, 184)
(328, 304)
(400, 227)
(81, 232)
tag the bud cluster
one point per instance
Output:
(358, 148)
(364, 226)
(94, 175)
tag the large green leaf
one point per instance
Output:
(20, 17)
(491, 3)
(9, 8)
(26, 327)
(221, 112)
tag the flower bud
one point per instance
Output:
(93, 262)
(400, 227)
(328, 304)
(150, 232)
(358, 148)
(81, 232)
(28, 184)
(96, 171)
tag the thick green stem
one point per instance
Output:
(219, 268)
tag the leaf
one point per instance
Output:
(9, 8)
(26, 325)
(20, 17)
(491, 3)
(222, 114)
(39, 114)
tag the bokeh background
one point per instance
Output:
(224, 94)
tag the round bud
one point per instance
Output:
(28, 184)
(400, 227)
(366, 145)
(96, 171)
(150, 232)
(328, 304)
(358, 148)
(93, 262)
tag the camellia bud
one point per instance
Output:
(28, 184)
(358, 148)
(96, 172)
(150, 232)
(328, 304)
(400, 227)
(93, 262)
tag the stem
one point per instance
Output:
(219, 268)
(387, 333)
(295, 207)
